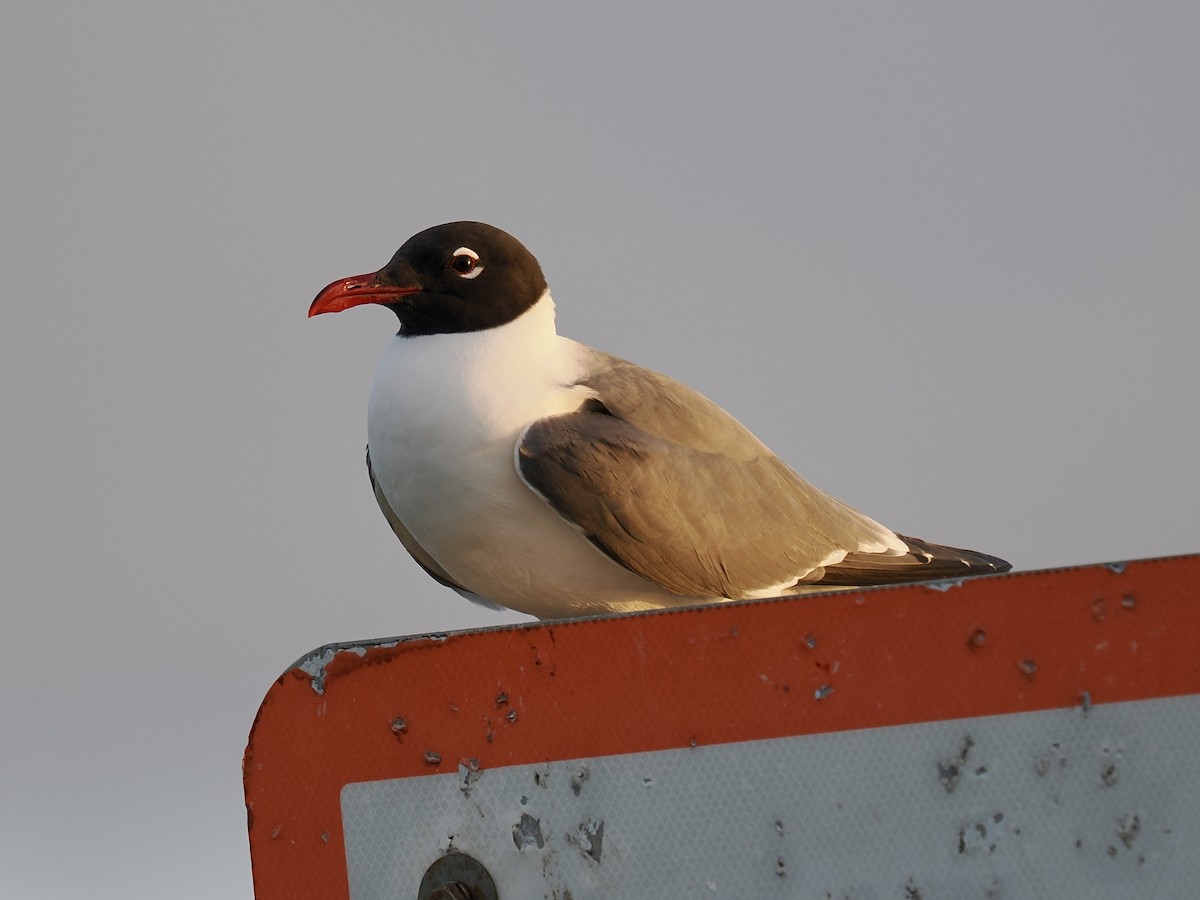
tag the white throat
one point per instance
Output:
(472, 387)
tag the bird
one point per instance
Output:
(526, 470)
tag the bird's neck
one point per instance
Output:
(503, 376)
(527, 344)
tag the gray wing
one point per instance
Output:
(671, 486)
(415, 550)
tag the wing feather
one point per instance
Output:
(671, 486)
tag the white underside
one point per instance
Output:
(443, 419)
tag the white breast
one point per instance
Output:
(442, 423)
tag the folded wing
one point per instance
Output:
(671, 486)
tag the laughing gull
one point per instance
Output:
(526, 470)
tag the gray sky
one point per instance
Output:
(945, 261)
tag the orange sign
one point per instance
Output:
(464, 704)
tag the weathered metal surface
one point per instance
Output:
(1018, 735)
(1060, 803)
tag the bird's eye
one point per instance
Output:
(465, 263)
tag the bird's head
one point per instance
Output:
(453, 278)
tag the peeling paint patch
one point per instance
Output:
(1128, 829)
(945, 584)
(469, 772)
(528, 833)
(1108, 769)
(985, 835)
(1044, 763)
(589, 838)
(314, 664)
(950, 770)
(578, 777)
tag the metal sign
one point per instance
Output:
(1022, 735)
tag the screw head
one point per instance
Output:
(457, 876)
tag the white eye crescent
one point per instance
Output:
(464, 262)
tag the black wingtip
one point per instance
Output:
(923, 562)
(954, 561)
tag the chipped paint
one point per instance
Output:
(527, 833)
(315, 663)
(578, 778)
(986, 835)
(469, 772)
(589, 839)
(945, 584)
(950, 770)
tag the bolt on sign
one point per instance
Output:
(1022, 735)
